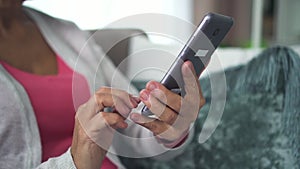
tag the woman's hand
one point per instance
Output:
(175, 113)
(95, 126)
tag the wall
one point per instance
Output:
(239, 10)
(288, 25)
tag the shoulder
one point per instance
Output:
(38, 15)
(56, 25)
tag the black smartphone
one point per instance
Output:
(199, 49)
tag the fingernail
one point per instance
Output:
(144, 96)
(151, 86)
(136, 98)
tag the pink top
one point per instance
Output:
(51, 99)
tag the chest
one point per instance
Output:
(54, 104)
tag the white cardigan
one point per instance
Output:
(20, 145)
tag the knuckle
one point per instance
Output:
(161, 94)
(155, 107)
(103, 89)
(100, 96)
(110, 119)
(82, 107)
(123, 92)
(113, 121)
(97, 95)
(177, 106)
(171, 118)
(158, 109)
(152, 127)
(103, 115)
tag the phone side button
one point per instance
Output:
(177, 91)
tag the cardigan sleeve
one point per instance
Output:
(19, 136)
(65, 161)
(20, 145)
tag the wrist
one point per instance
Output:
(88, 157)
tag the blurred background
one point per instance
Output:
(257, 22)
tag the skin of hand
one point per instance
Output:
(94, 128)
(174, 113)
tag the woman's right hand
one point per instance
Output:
(94, 128)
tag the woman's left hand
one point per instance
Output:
(174, 113)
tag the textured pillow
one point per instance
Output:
(260, 126)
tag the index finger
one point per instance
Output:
(127, 98)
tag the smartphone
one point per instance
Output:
(199, 49)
